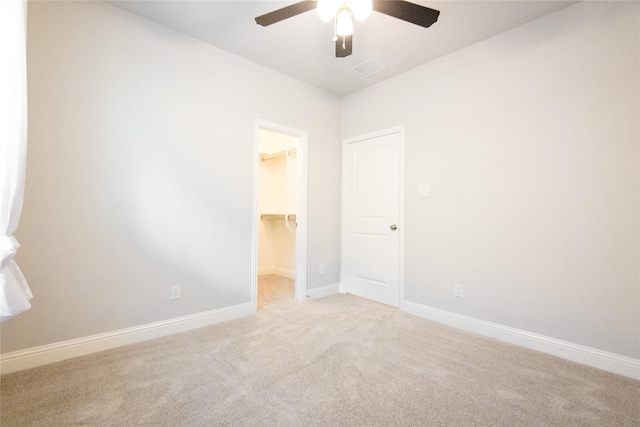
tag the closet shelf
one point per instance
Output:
(266, 156)
(278, 217)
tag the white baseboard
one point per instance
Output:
(289, 274)
(607, 361)
(50, 353)
(323, 291)
(263, 271)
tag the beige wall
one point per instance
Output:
(529, 142)
(140, 173)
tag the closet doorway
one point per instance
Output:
(280, 201)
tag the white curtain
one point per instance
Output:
(14, 290)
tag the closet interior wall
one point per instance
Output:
(277, 204)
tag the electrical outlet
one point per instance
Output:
(458, 290)
(321, 269)
(175, 292)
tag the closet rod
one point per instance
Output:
(278, 217)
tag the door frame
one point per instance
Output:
(301, 208)
(400, 131)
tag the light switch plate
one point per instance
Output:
(423, 190)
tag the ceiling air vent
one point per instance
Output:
(368, 68)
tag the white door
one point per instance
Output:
(372, 218)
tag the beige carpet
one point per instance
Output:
(337, 361)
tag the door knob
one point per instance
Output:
(393, 227)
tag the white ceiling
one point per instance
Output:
(302, 46)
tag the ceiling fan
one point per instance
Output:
(343, 12)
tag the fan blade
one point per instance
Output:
(410, 12)
(347, 42)
(286, 12)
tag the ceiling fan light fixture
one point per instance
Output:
(344, 22)
(327, 9)
(361, 8)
